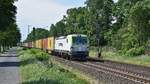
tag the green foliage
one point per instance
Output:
(83, 20)
(147, 50)
(42, 56)
(33, 72)
(58, 29)
(121, 12)
(143, 60)
(100, 12)
(39, 54)
(7, 13)
(132, 37)
(9, 32)
(135, 51)
(139, 21)
(37, 34)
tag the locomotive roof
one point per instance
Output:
(63, 37)
(77, 35)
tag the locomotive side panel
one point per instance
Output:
(62, 45)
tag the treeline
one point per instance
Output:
(36, 34)
(9, 32)
(124, 25)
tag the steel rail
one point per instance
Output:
(122, 73)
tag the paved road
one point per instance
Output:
(9, 67)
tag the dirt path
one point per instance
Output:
(9, 67)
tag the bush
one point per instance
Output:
(135, 51)
(147, 50)
(34, 51)
(39, 54)
(42, 56)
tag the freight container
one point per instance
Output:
(29, 44)
(36, 44)
(45, 44)
(33, 44)
(51, 42)
(25, 45)
(40, 44)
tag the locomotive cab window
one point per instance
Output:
(67, 40)
(79, 40)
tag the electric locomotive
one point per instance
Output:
(73, 46)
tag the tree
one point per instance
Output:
(10, 34)
(7, 13)
(37, 34)
(139, 21)
(121, 11)
(131, 38)
(60, 28)
(53, 31)
(100, 13)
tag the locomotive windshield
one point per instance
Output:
(79, 40)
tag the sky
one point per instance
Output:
(42, 13)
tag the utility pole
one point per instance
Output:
(98, 36)
(29, 29)
(34, 35)
(75, 27)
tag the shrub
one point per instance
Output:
(34, 51)
(38, 54)
(135, 51)
(42, 56)
(147, 50)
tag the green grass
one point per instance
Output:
(109, 55)
(36, 69)
(78, 73)
(139, 60)
(92, 53)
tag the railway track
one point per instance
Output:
(140, 70)
(130, 67)
(136, 77)
(116, 74)
(145, 73)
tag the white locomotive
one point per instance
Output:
(74, 46)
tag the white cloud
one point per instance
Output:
(39, 13)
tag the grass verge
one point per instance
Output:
(78, 73)
(143, 60)
(37, 69)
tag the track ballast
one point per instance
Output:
(110, 72)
